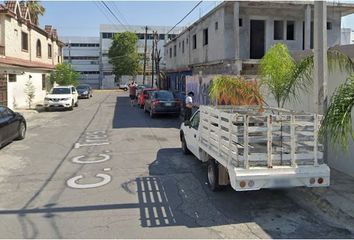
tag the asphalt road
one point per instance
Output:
(106, 170)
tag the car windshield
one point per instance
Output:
(60, 91)
(80, 87)
(164, 95)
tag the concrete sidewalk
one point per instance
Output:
(334, 204)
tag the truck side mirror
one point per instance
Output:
(187, 123)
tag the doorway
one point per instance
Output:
(3, 90)
(257, 41)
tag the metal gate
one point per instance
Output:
(3, 90)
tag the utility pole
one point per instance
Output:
(320, 64)
(69, 51)
(145, 38)
(152, 60)
(157, 61)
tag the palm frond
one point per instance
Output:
(338, 60)
(299, 81)
(235, 90)
(337, 123)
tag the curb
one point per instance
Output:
(318, 205)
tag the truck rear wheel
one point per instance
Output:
(213, 175)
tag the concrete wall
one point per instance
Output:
(16, 90)
(221, 44)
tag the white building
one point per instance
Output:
(108, 79)
(232, 37)
(347, 36)
(27, 54)
(83, 53)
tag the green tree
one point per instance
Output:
(35, 8)
(123, 54)
(286, 78)
(30, 91)
(64, 74)
(337, 122)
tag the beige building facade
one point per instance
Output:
(27, 55)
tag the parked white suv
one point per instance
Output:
(61, 97)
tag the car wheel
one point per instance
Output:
(125, 89)
(72, 106)
(184, 146)
(77, 103)
(46, 109)
(213, 176)
(21, 131)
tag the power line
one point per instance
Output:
(103, 12)
(113, 15)
(116, 8)
(185, 16)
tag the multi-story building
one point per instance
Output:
(27, 55)
(108, 79)
(83, 53)
(232, 37)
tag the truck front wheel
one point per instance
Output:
(213, 175)
(184, 145)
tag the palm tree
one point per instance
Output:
(286, 78)
(337, 123)
(35, 8)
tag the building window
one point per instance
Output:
(39, 48)
(278, 30)
(174, 50)
(170, 52)
(107, 35)
(329, 26)
(194, 41)
(205, 37)
(49, 50)
(187, 41)
(44, 85)
(24, 41)
(216, 25)
(290, 30)
(240, 22)
(12, 77)
(183, 46)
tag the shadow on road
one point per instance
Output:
(126, 116)
(176, 193)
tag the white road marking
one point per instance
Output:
(72, 182)
(78, 145)
(103, 158)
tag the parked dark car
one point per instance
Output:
(162, 102)
(84, 91)
(12, 126)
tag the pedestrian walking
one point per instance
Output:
(189, 106)
(132, 92)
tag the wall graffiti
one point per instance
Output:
(199, 85)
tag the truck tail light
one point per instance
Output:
(320, 180)
(242, 184)
(312, 180)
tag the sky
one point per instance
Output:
(82, 18)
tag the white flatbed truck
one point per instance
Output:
(252, 149)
